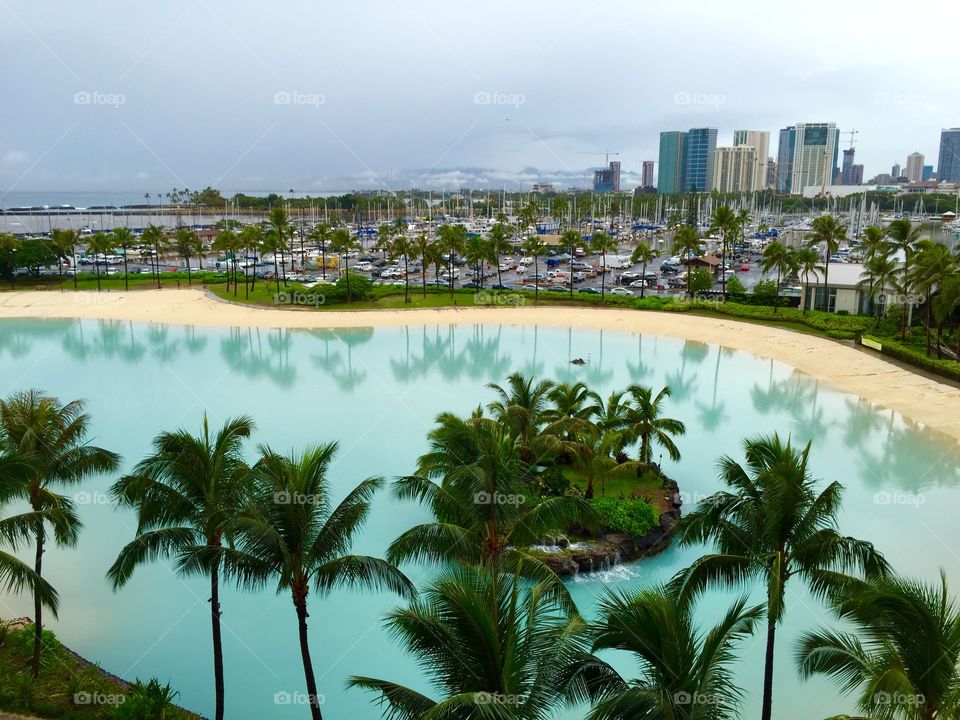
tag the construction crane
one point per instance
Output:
(606, 156)
(823, 187)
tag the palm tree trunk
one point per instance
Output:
(776, 297)
(276, 272)
(536, 273)
(603, 278)
(346, 265)
(156, 262)
(189, 276)
(37, 609)
(126, 274)
(723, 266)
(406, 279)
(75, 266)
(96, 267)
(767, 707)
(217, 641)
(927, 312)
(643, 288)
(312, 695)
(826, 275)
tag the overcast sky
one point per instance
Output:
(314, 96)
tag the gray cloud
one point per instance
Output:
(317, 97)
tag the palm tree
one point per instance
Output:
(62, 243)
(280, 232)
(424, 250)
(901, 654)
(570, 239)
(123, 238)
(934, 265)
(777, 256)
(299, 537)
(342, 243)
(574, 405)
(592, 451)
(533, 247)
(493, 648)
(187, 493)
(251, 237)
(475, 253)
(806, 261)
(643, 421)
(100, 244)
(773, 525)
(53, 439)
(320, 234)
(903, 236)
(827, 231)
(9, 246)
(522, 407)
(156, 237)
(228, 243)
(16, 576)
(401, 247)
(602, 243)
(685, 674)
(946, 301)
(727, 223)
(451, 239)
(881, 273)
(686, 245)
(186, 241)
(499, 239)
(644, 255)
(481, 511)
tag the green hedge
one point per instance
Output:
(918, 356)
(836, 326)
(633, 516)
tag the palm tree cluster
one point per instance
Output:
(904, 270)
(495, 631)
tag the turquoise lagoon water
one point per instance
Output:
(377, 392)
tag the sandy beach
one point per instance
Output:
(933, 404)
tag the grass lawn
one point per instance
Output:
(68, 687)
(626, 483)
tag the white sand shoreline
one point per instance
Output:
(933, 404)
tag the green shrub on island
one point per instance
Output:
(632, 516)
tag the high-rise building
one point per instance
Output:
(927, 172)
(856, 175)
(895, 171)
(948, 165)
(646, 177)
(759, 139)
(915, 167)
(735, 169)
(671, 164)
(607, 179)
(807, 156)
(701, 147)
(846, 173)
(771, 172)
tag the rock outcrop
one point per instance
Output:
(611, 548)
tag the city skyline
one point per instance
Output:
(210, 95)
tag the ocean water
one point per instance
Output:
(377, 392)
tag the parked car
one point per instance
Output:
(589, 291)
(621, 291)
